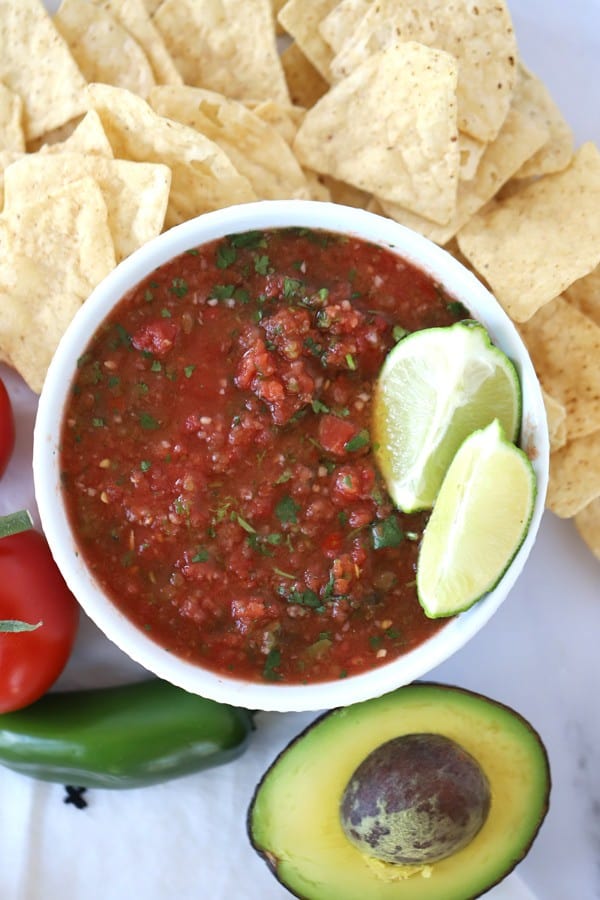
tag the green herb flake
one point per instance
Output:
(249, 239)
(226, 256)
(387, 533)
(188, 371)
(222, 291)
(235, 517)
(165, 313)
(287, 509)
(202, 555)
(148, 296)
(272, 662)
(350, 362)
(398, 332)
(83, 360)
(156, 366)
(291, 287)
(392, 633)
(457, 309)
(318, 407)
(145, 465)
(360, 440)
(148, 422)
(179, 287)
(285, 476)
(15, 625)
(241, 295)
(114, 381)
(375, 641)
(261, 265)
(98, 422)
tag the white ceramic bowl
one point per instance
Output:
(458, 282)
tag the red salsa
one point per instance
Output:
(217, 461)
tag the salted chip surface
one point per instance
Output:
(534, 244)
(390, 130)
(584, 294)
(519, 137)
(257, 150)
(574, 476)
(301, 21)
(480, 36)
(564, 346)
(88, 137)
(305, 83)
(135, 193)
(587, 522)
(135, 18)
(557, 152)
(12, 136)
(102, 49)
(36, 64)
(285, 117)
(224, 46)
(56, 254)
(202, 175)
(556, 415)
(7, 157)
(340, 23)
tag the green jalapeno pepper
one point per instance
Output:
(121, 737)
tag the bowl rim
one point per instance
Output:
(457, 280)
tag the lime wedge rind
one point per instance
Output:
(436, 387)
(480, 521)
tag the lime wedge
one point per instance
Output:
(435, 387)
(478, 523)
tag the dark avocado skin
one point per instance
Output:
(273, 863)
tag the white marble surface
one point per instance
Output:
(539, 654)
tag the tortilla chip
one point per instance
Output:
(135, 19)
(103, 50)
(11, 117)
(556, 415)
(305, 84)
(88, 137)
(339, 25)
(286, 118)
(519, 137)
(152, 6)
(317, 188)
(256, 149)
(135, 193)
(564, 346)
(584, 295)
(557, 152)
(480, 37)
(533, 245)
(345, 194)
(7, 157)
(390, 129)
(224, 46)
(574, 476)
(56, 255)
(36, 64)
(301, 21)
(202, 175)
(587, 522)
(471, 150)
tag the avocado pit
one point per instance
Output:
(416, 799)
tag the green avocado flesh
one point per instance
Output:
(295, 818)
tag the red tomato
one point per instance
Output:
(7, 428)
(32, 590)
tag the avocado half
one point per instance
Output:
(294, 817)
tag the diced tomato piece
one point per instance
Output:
(334, 434)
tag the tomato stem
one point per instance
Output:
(14, 625)
(15, 522)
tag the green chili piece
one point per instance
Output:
(121, 737)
